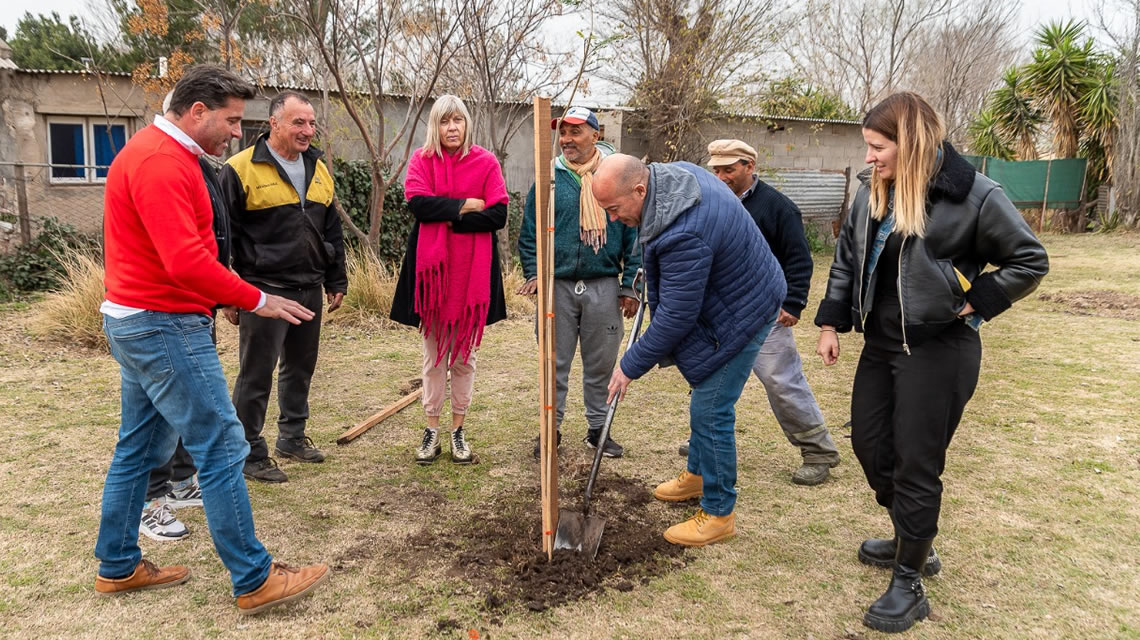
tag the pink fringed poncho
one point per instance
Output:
(453, 270)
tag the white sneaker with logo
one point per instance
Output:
(158, 522)
(186, 493)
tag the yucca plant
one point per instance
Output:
(987, 137)
(1098, 112)
(1011, 105)
(1058, 77)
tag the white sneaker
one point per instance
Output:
(429, 448)
(158, 522)
(185, 494)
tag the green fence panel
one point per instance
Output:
(1024, 182)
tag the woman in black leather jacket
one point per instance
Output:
(909, 274)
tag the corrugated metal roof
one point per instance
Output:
(768, 116)
(74, 72)
(818, 194)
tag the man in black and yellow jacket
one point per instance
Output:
(287, 239)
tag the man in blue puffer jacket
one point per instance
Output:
(714, 291)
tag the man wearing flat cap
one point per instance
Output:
(778, 365)
(595, 261)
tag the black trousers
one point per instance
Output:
(180, 466)
(904, 411)
(262, 343)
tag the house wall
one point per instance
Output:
(28, 99)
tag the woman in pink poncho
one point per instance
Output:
(451, 285)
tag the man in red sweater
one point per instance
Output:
(162, 280)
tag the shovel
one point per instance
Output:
(582, 532)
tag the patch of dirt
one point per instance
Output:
(498, 550)
(1097, 302)
(508, 564)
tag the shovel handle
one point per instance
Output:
(635, 333)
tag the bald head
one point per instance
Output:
(620, 184)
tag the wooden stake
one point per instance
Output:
(544, 242)
(1045, 198)
(380, 416)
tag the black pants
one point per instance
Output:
(262, 343)
(180, 466)
(904, 411)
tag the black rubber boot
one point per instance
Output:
(904, 602)
(880, 552)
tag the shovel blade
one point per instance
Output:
(582, 534)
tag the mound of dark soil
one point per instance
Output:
(1098, 302)
(498, 551)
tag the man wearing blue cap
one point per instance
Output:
(595, 261)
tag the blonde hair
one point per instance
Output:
(911, 123)
(446, 106)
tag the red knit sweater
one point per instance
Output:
(161, 254)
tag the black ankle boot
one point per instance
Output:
(904, 602)
(880, 552)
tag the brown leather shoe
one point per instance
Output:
(147, 575)
(284, 584)
(685, 486)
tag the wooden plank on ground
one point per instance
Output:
(544, 231)
(379, 416)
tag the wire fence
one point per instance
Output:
(32, 193)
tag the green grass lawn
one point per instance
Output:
(1039, 536)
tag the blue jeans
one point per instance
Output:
(712, 425)
(173, 386)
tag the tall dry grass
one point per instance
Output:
(71, 313)
(372, 284)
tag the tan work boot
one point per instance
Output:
(702, 529)
(284, 584)
(147, 575)
(684, 487)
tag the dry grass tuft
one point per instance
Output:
(71, 314)
(371, 285)
(517, 306)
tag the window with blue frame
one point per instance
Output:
(81, 149)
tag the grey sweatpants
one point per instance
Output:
(780, 370)
(586, 312)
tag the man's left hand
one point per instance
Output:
(628, 306)
(334, 301)
(787, 319)
(619, 382)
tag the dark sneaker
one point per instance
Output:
(264, 471)
(158, 522)
(299, 449)
(538, 444)
(460, 451)
(429, 448)
(611, 449)
(185, 493)
(810, 473)
(683, 450)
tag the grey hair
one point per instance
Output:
(446, 105)
(209, 84)
(278, 101)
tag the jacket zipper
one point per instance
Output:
(862, 270)
(902, 306)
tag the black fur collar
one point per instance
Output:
(955, 179)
